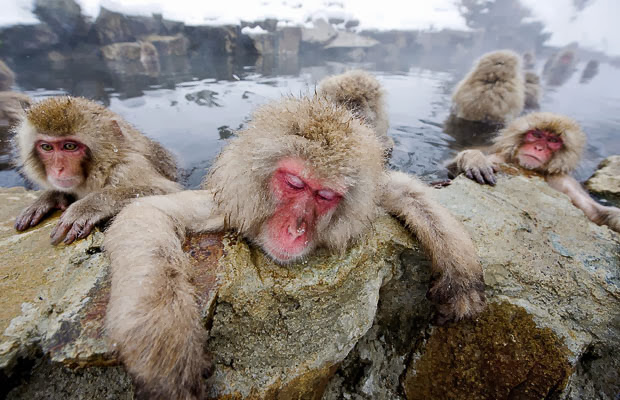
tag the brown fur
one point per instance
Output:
(564, 160)
(7, 77)
(118, 167)
(12, 106)
(361, 93)
(533, 90)
(152, 316)
(493, 91)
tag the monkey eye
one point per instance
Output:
(554, 139)
(46, 147)
(294, 181)
(327, 194)
(537, 134)
(70, 146)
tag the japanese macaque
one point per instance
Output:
(363, 95)
(546, 143)
(493, 91)
(90, 162)
(589, 71)
(7, 77)
(559, 67)
(305, 174)
(532, 90)
(529, 60)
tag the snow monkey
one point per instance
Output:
(305, 173)
(547, 143)
(532, 90)
(91, 163)
(493, 91)
(12, 104)
(361, 93)
(7, 77)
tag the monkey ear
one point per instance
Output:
(117, 129)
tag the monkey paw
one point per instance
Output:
(73, 225)
(32, 215)
(455, 301)
(482, 175)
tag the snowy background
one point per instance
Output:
(591, 23)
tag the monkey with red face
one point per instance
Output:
(306, 173)
(91, 163)
(546, 143)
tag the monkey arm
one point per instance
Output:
(458, 285)
(153, 319)
(597, 213)
(476, 166)
(48, 201)
(78, 220)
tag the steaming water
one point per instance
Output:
(195, 114)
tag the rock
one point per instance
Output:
(289, 39)
(265, 44)
(212, 40)
(23, 40)
(12, 106)
(606, 180)
(169, 45)
(63, 16)
(551, 329)
(112, 27)
(321, 33)
(350, 39)
(129, 51)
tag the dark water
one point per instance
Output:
(193, 113)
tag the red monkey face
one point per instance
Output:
(63, 159)
(301, 201)
(538, 148)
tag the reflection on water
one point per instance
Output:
(193, 112)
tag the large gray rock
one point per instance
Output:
(24, 40)
(112, 27)
(63, 16)
(605, 182)
(320, 34)
(552, 329)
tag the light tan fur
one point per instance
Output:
(479, 166)
(12, 106)
(493, 91)
(533, 90)
(152, 316)
(7, 77)
(122, 163)
(361, 93)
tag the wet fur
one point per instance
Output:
(493, 91)
(152, 316)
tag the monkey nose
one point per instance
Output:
(299, 230)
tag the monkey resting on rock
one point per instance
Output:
(306, 173)
(547, 143)
(91, 163)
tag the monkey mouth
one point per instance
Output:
(64, 183)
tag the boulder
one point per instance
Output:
(350, 40)
(169, 45)
(605, 182)
(63, 16)
(112, 27)
(320, 33)
(289, 39)
(25, 40)
(551, 329)
(128, 51)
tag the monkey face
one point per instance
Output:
(63, 159)
(302, 201)
(538, 148)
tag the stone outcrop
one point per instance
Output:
(605, 182)
(355, 325)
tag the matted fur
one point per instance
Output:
(533, 90)
(493, 91)
(339, 148)
(564, 160)
(118, 156)
(361, 93)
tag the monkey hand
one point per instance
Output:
(33, 214)
(609, 216)
(77, 222)
(456, 299)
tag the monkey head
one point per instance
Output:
(503, 65)
(58, 139)
(314, 178)
(546, 142)
(531, 77)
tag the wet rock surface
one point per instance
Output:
(354, 326)
(605, 182)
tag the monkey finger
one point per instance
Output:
(488, 176)
(478, 176)
(23, 221)
(74, 233)
(86, 230)
(469, 174)
(59, 232)
(38, 215)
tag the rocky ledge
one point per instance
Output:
(353, 326)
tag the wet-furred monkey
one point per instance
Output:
(90, 162)
(305, 173)
(493, 91)
(547, 143)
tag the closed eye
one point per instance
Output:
(327, 194)
(294, 182)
